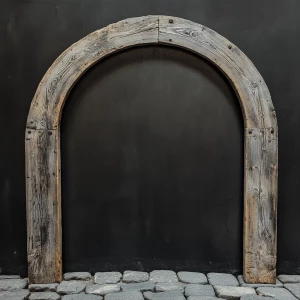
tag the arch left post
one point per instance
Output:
(43, 205)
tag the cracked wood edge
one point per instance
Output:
(43, 148)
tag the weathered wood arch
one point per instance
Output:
(43, 182)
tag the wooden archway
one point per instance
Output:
(43, 182)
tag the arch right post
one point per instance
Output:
(260, 205)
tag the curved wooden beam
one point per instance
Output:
(43, 184)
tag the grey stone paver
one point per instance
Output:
(10, 277)
(294, 288)
(278, 293)
(233, 292)
(256, 285)
(107, 277)
(71, 287)
(289, 278)
(169, 286)
(255, 297)
(204, 298)
(159, 285)
(222, 279)
(43, 287)
(44, 296)
(12, 284)
(199, 290)
(139, 287)
(14, 295)
(102, 289)
(125, 296)
(171, 295)
(77, 276)
(163, 276)
(82, 297)
(192, 277)
(135, 277)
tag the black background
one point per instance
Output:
(152, 137)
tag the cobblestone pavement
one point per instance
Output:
(157, 285)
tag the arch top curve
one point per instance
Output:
(255, 100)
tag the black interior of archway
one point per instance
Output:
(152, 165)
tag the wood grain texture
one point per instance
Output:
(46, 107)
(43, 145)
(260, 197)
(43, 206)
(249, 85)
(260, 205)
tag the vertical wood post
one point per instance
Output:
(260, 205)
(43, 205)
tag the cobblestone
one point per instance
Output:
(140, 287)
(102, 289)
(256, 285)
(157, 285)
(125, 296)
(135, 277)
(82, 297)
(14, 295)
(163, 276)
(77, 276)
(169, 286)
(204, 298)
(222, 279)
(44, 287)
(277, 293)
(71, 287)
(256, 297)
(171, 295)
(107, 277)
(289, 278)
(294, 288)
(44, 296)
(199, 290)
(10, 277)
(233, 292)
(13, 284)
(192, 277)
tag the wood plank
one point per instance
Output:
(47, 104)
(43, 203)
(249, 85)
(260, 205)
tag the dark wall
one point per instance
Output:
(143, 177)
(155, 133)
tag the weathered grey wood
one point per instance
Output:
(260, 205)
(43, 205)
(260, 198)
(43, 148)
(47, 104)
(249, 85)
